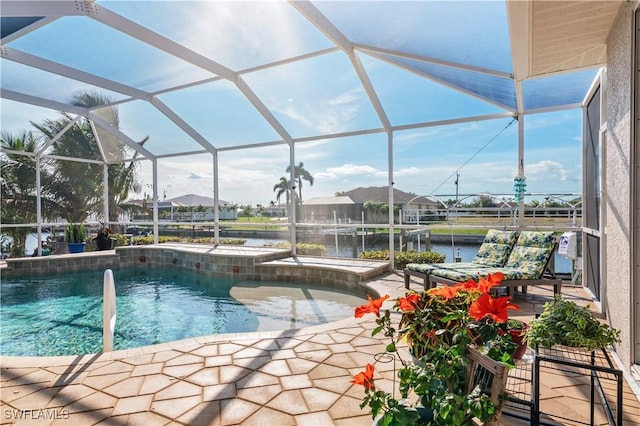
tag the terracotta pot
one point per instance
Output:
(517, 337)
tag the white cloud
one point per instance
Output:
(329, 115)
(548, 170)
(351, 96)
(349, 170)
(410, 172)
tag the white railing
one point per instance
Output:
(108, 311)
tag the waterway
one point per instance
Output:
(344, 248)
(467, 252)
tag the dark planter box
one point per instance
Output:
(104, 244)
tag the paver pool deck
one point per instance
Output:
(293, 377)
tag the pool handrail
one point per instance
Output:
(109, 311)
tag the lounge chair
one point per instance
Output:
(528, 264)
(494, 252)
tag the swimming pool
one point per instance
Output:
(62, 314)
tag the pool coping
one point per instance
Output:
(254, 263)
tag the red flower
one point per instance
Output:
(496, 277)
(364, 378)
(372, 307)
(409, 303)
(469, 285)
(495, 308)
(447, 292)
(492, 280)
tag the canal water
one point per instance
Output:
(467, 252)
(345, 249)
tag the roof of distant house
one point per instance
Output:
(381, 194)
(337, 200)
(194, 200)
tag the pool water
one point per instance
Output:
(62, 314)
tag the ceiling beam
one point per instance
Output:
(173, 48)
(456, 65)
(72, 109)
(57, 8)
(94, 80)
(440, 81)
(313, 15)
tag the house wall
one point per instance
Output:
(323, 213)
(618, 299)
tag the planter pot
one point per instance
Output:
(76, 247)
(517, 337)
(104, 244)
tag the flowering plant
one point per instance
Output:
(441, 327)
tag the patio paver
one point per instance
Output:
(290, 378)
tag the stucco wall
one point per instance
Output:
(617, 187)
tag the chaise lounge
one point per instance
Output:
(525, 261)
(493, 252)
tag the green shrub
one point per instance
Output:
(233, 241)
(311, 249)
(122, 240)
(75, 233)
(223, 241)
(563, 322)
(303, 249)
(142, 241)
(401, 258)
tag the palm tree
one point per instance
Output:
(76, 187)
(301, 174)
(18, 186)
(376, 209)
(79, 186)
(282, 187)
(123, 178)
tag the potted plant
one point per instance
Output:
(563, 322)
(103, 239)
(448, 331)
(517, 329)
(75, 234)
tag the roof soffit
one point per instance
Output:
(557, 36)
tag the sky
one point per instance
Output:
(313, 98)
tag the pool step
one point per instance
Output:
(323, 270)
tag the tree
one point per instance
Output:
(75, 188)
(78, 186)
(18, 186)
(123, 178)
(246, 210)
(282, 187)
(300, 174)
(377, 210)
(484, 201)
